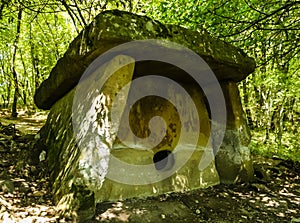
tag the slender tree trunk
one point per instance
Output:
(5, 71)
(24, 86)
(80, 14)
(54, 36)
(292, 116)
(8, 94)
(64, 3)
(280, 126)
(35, 62)
(247, 104)
(269, 110)
(12, 66)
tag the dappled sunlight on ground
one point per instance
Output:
(27, 122)
(25, 194)
(115, 212)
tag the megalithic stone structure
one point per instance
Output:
(91, 125)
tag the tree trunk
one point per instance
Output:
(8, 94)
(70, 12)
(35, 62)
(247, 104)
(23, 82)
(12, 66)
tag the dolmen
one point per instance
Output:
(139, 108)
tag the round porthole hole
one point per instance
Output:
(163, 160)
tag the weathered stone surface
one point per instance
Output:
(73, 156)
(165, 133)
(112, 28)
(189, 176)
(80, 167)
(233, 159)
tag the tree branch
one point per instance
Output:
(264, 18)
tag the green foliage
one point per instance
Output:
(288, 148)
(43, 38)
(266, 30)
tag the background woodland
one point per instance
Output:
(34, 34)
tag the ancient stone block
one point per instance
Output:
(105, 145)
(78, 161)
(112, 28)
(233, 160)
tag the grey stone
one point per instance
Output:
(233, 159)
(78, 167)
(112, 28)
(80, 135)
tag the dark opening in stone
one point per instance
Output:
(163, 160)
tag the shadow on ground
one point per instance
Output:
(25, 195)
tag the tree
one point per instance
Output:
(266, 30)
(33, 38)
(13, 63)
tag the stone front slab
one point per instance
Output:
(187, 178)
(81, 138)
(78, 155)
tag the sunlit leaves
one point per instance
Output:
(44, 38)
(266, 30)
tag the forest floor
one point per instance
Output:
(25, 194)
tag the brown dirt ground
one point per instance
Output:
(25, 195)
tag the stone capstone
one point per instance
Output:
(112, 28)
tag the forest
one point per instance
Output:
(36, 34)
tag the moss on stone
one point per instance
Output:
(112, 28)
